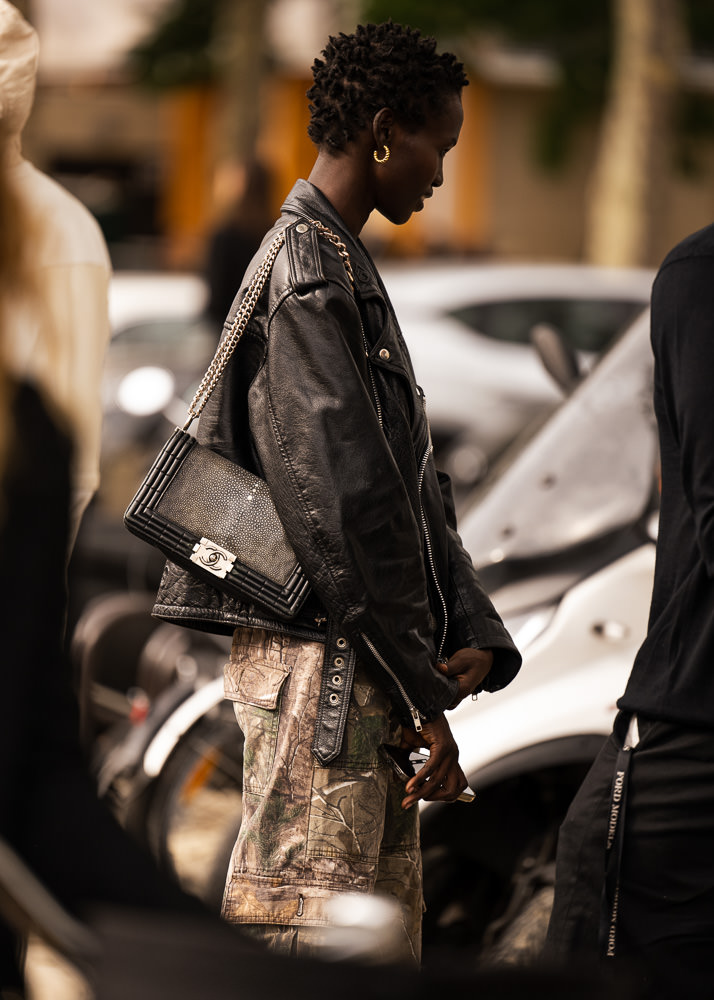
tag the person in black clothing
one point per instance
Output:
(635, 865)
(234, 242)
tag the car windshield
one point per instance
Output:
(586, 324)
(574, 475)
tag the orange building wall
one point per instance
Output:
(283, 144)
(458, 220)
(472, 221)
(187, 173)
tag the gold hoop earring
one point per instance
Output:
(385, 157)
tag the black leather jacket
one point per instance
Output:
(321, 400)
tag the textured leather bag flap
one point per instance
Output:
(209, 489)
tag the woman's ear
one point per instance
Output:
(382, 128)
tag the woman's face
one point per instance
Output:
(416, 162)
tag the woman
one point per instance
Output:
(320, 399)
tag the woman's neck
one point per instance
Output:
(344, 182)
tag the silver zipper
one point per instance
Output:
(413, 711)
(427, 536)
(377, 403)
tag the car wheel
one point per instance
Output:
(489, 867)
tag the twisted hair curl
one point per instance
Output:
(378, 66)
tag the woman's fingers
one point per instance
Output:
(440, 778)
(442, 783)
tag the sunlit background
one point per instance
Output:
(588, 132)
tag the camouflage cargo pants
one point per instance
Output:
(309, 832)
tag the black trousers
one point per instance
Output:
(665, 922)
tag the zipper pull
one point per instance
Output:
(416, 719)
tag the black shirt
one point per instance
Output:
(673, 674)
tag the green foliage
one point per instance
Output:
(699, 20)
(440, 19)
(578, 36)
(558, 23)
(179, 50)
(694, 123)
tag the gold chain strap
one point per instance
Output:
(337, 242)
(233, 334)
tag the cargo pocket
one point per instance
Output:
(255, 686)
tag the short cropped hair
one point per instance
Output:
(378, 66)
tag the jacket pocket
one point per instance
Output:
(255, 687)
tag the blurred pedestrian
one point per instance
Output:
(49, 266)
(321, 400)
(235, 240)
(635, 866)
(69, 267)
(49, 812)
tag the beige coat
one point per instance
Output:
(58, 337)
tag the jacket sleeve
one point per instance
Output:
(339, 492)
(473, 621)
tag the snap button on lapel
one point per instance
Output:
(384, 354)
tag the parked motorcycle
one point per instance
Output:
(563, 535)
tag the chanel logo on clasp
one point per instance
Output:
(213, 558)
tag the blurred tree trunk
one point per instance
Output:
(633, 155)
(241, 53)
(241, 57)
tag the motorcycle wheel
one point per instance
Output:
(195, 810)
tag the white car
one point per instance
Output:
(563, 535)
(468, 327)
(139, 297)
(158, 320)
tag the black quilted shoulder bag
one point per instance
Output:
(209, 515)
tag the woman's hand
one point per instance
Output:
(441, 778)
(469, 667)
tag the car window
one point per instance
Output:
(586, 324)
(167, 343)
